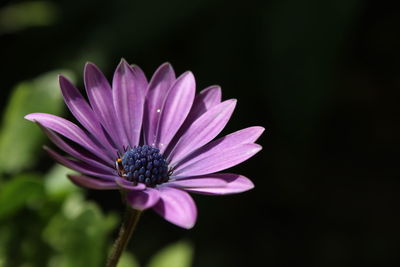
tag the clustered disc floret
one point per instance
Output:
(145, 164)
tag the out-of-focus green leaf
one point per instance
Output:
(78, 234)
(20, 139)
(23, 15)
(57, 184)
(18, 192)
(127, 260)
(179, 254)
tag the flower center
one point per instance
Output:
(144, 164)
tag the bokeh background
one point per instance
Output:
(321, 76)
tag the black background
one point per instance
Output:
(321, 76)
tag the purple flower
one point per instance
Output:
(153, 140)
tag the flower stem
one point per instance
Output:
(129, 223)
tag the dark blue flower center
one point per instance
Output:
(145, 164)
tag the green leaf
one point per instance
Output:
(13, 17)
(57, 184)
(179, 254)
(127, 260)
(79, 233)
(19, 138)
(18, 192)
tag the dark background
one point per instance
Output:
(321, 76)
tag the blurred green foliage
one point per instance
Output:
(179, 255)
(19, 140)
(44, 218)
(14, 17)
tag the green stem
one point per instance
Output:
(125, 232)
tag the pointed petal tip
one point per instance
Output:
(259, 129)
(33, 116)
(28, 117)
(214, 87)
(123, 63)
(90, 68)
(61, 78)
(166, 66)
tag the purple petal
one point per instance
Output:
(140, 78)
(158, 88)
(206, 99)
(70, 131)
(124, 184)
(216, 158)
(234, 183)
(244, 136)
(81, 154)
(141, 200)
(101, 99)
(177, 207)
(199, 181)
(82, 111)
(80, 166)
(92, 183)
(128, 97)
(175, 109)
(203, 130)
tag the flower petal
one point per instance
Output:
(243, 136)
(216, 158)
(70, 131)
(198, 181)
(142, 200)
(158, 88)
(203, 130)
(81, 110)
(175, 109)
(80, 166)
(80, 154)
(234, 183)
(177, 207)
(206, 99)
(140, 78)
(128, 97)
(101, 99)
(124, 184)
(92, 183)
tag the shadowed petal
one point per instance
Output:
(216, 159)
(124, 184)
(92, 183)
(177, 207)
(101, 99)
(206, 99)
(81, 154)
(234, 183)
(158, 88)
(128, 97)
(81, 110)
(203, 130)
(175, 109)
(80, 166)
(70, 131)
(142, 200)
